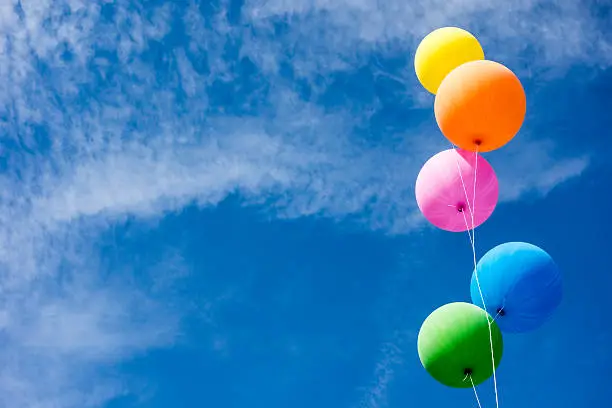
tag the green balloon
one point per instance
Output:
(454, 341)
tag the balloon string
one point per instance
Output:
(475, 392)
(467, 199)
(489, 322)
(472, 237)
(478, 281)
(474, 198)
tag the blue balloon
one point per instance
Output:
(521, 286)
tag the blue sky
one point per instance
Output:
(212, 204)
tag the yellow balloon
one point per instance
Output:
(441, 51)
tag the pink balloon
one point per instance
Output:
(441, 196)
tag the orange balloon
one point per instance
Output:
(480, 105)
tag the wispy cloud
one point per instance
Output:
(540, 158)
(375, 395)
(62, 320)
(115, 108)
(547, 33)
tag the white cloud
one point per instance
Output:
(530, 33)
(87, 141)
(541, 170)
(375, 395)
(61, 320)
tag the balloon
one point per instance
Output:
(454, 341)
(519, 281)
(441, 196)
(441, 51)
(480, 105)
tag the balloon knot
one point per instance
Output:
(500, 311)
(467, 372)
(460, 207)
(477, 142)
